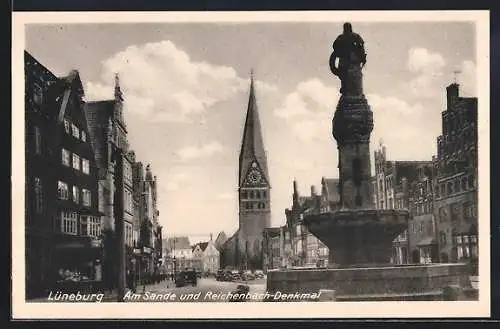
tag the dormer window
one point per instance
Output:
(37, 94)
(75, 130)
(66, 126)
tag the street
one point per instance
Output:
(207, 290)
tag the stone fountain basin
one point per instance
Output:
(358, 237)
(381, 283)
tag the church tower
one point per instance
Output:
(253, 188)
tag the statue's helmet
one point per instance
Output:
(347, 28)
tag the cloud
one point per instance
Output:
(174, 181)
(204, 151)
(428, 67)
(400, 124)
(308, 110)
(162, 83)
(423, 60)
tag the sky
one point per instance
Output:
(186, 93)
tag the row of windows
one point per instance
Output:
(254, 205)
(422, 226)
(466, 210)
(71, 128)
(77, 162)
(74, 224)
(63, 193)
(253, 194)
(457, 185)
(422, 208)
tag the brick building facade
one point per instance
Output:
(456, 193)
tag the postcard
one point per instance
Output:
(253, 162)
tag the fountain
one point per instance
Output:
(359, 236)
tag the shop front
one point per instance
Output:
(77, 264)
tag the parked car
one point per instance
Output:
(220, 276)
(186, 277)
(240, 289)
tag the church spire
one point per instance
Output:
(252, 146)
(118, 91)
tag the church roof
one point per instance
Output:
(203, 246)
(181, 242)
(252, 145)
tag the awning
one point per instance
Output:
(426, 241)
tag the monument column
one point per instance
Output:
(352, 123)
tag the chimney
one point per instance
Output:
(451, 95)
(295, 192)
(313, 190)
(210, 236)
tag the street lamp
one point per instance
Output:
(174, 259)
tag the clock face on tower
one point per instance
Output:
(254, 177)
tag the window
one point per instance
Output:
(443, 214)
(257, 195)
(38, 195)
(76, 161)
(66, 126)
(298, 230)
(468, 210)
(76, 194)
(442, 237)
(65, 155)
(455, 211)
(94, 226)
(464, 184)
(86, 196)
(244, 195)
(62, 190)
(69, 223)
(450, 188)
(37, 94)
(84, 136)
(75, 130)
(471, 182)
(251, 195)
(264, 194)
(38, 140)
(85, 166)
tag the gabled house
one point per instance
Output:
(63, 221)
(208, 256)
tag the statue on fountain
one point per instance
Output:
(350, 50)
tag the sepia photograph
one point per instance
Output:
(257, 158)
